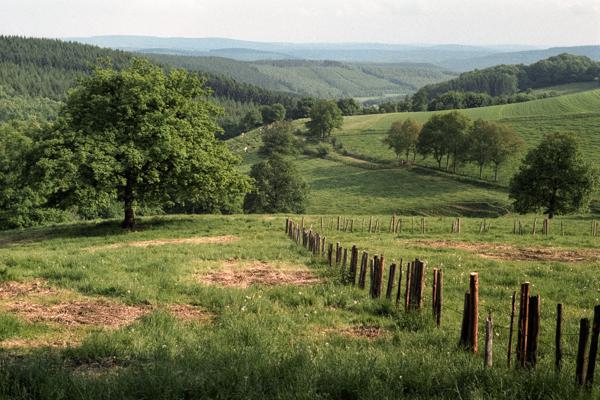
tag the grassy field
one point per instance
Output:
(90, 311)
(369, 182)
(578, 112)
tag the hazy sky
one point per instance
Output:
(537, 22)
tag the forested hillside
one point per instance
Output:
(35, 75)
(326, 79)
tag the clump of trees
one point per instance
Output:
(137, 136)
(278, 138)
(403, 137)
(554, 177)
(455, 138)
(325, 116)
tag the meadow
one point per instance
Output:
(229, 307)
(361, 136)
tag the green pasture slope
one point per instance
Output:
(577, 112)
(368, 181)
(321, 341)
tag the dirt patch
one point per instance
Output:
(163, 242)
(502, 251)
(245, 274)
(79, 313)
(370, 332)
(186, 312)
(11, 289)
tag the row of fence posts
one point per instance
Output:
(528, 322)
(396, 225)
(354, 270)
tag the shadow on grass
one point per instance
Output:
(86, 229)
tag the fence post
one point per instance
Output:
(363, 270)
(474, 314)
(489, 335)
(558, 353)
(589, 378)
(511, 329)
(439, 297)
(582, 351)
(390, 285)
(523, 319)
(434, 291)
(353, 263)
(407, 299)
(533, 330)
(399, 293)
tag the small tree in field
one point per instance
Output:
(141, 137)
(492, 143)
(325, 116)
(445, 135)
(554, 177)
(272, 113)
(403, 137)
(278, 188)
(278, 138)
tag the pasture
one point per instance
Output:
(229, 307)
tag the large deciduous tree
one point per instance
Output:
(403, 137)
(139, 136)
(445, 135)
(555, 177)
(278, 188)
(325, 116)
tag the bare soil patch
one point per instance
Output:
(502, 251)
(239, 274)
(370, 332)
(79, 313)
(186, 312)
(11, 289)
(163, 242)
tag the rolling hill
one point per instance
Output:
(327, 79)
(366, 180)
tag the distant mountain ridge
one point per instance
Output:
(455, 57)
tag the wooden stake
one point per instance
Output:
(523, 324)
(589, 378)
(533, 330)
(439, 297)
(558, 352)
(511, 328)
(399, 293)
(390, 285)
(474, 314)
(489, 336)
(407, 291)
(582, 352)
(363, 270)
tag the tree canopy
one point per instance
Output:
(278, 188)
(403, 137)
(554, 177)
(325, 116)
(139, 136)
(278, 138)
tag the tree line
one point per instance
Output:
(452, 139)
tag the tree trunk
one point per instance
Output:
(447, 161)
(128, 198)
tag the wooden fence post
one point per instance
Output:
(399, 293)
(434, 291)
(558, 353)
(407, 299)
(363, 270)
(582, 351)
(511, 329)
(391, 278)
(523, 320)
(353, 264)
(533, 330)
(464, 328)
(439, 297)
(589, 378)
(489, 335)
(330, 254)
(474, 314)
